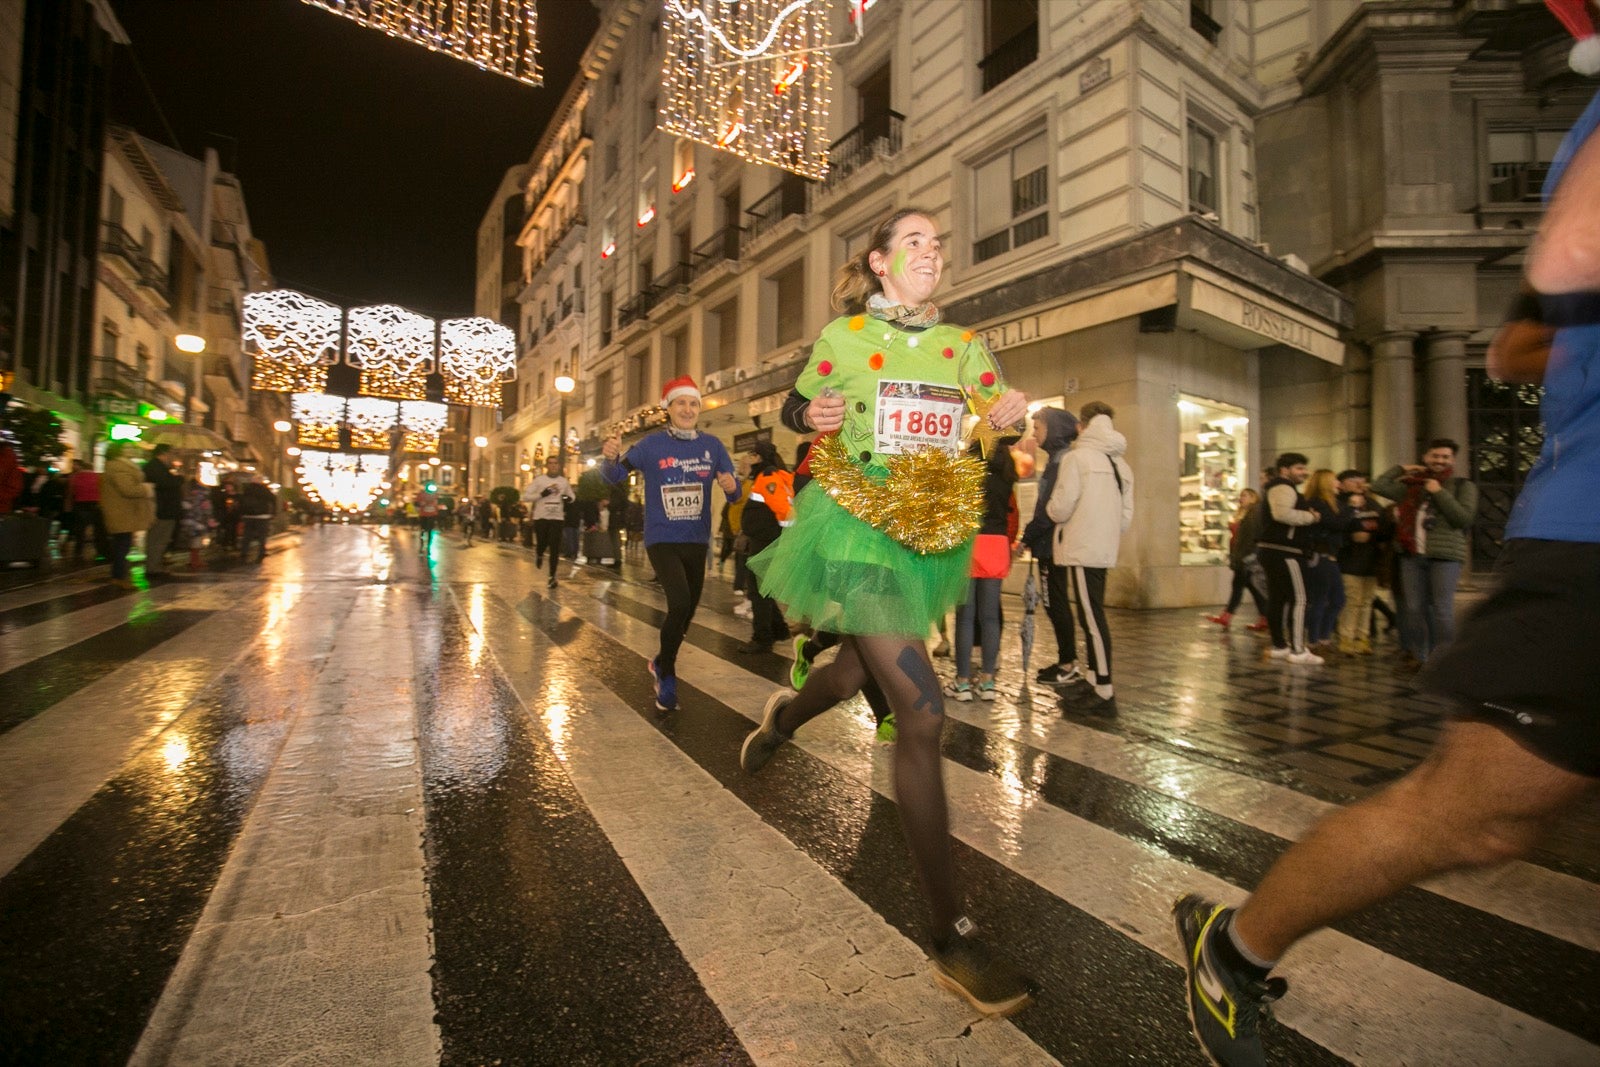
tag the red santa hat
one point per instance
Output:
(1578, 16)
(679, 387)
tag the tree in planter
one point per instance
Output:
(34, 432)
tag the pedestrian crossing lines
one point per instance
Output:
(419, 818)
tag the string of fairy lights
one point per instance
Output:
(295, 339)
(499, 36)
(755, 78)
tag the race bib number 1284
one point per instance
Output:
(682, 501)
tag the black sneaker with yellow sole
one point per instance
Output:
(1225, 1003)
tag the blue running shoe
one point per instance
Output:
(667, 694)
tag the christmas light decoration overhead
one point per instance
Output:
(476, 357)
(422, 422)
(294, 337)
(393, 349)
(499, 36)
(371, 419)
(318, 416)
(342, 480)
(754, 78)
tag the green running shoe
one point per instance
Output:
(886, 729)
(802, 664)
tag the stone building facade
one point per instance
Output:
(1153, 204)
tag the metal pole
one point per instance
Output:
(561, 438)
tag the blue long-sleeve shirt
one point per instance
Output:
(678, 476)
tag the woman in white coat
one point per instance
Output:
(1092, 506)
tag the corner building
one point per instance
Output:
(1096, 167)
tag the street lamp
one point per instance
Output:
(564, 386)
(282, 426)
(191, 344)
(480, 443)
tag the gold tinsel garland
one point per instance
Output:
(931, 502)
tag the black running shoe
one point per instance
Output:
(1224, 1004)
(765, 739)
(1059, 674)
(966, 966)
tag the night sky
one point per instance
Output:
(367, 162)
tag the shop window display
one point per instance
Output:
(1213, 441)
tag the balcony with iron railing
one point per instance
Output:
(635, 310)
(571, 304)
(875, 136)
(1010, 57)
(153, 283)
(788, 200)
(1516, 182)
(122, 251)
(674, 281)
(720, 247)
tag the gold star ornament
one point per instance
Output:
(986, 433)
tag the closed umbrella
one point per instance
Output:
(187, 437)
(1030, 601)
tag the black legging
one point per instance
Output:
(1241, 582)
(822, 640)
(1089, 589)
(1058, 608)
(548, 533)
(681, 569)
(901, 667)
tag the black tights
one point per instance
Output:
(822, 640)
(681, 570)
(901, 667)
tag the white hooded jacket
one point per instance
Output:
(1090, 512)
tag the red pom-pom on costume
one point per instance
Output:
(825, 368)
(987, 377)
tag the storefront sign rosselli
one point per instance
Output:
(1246, 319)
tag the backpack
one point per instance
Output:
(776, 490)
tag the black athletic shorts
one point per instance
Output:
(1528, 659)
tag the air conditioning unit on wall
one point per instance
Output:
(713, 381)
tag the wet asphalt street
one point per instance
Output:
(362, 806)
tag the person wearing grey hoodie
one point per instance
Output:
(1092, 505)
(1054, 430)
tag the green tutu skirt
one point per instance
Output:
(839, 574)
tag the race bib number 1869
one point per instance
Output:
(917, 415)
(682, 501)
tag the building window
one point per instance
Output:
(722, 344)
(602, 396)
(1519, 160)
(646, 206)
(611, 160)
(1010, 39)
(605, 318)
(1010, 197)
(114, 207)
(638, 379)
(786, 296)
(1203, 19)
(649, 119)
(108, 340)
(1203, 169)
(141, 356)
(1213, 442)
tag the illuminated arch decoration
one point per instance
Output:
(423, 422)
(294, 337)
(755, 78)
(318, 417)
(499, 36)
(372, 420)
(342, 480)
(392, 348)
(476, 357)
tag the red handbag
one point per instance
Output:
(991, 556)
